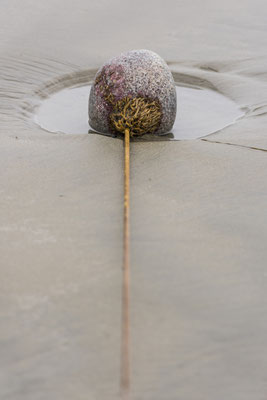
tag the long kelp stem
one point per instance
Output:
(131, 117)
(125, 356)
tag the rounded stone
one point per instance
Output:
(136, 73)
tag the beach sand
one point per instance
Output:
(198, 212)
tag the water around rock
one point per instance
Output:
(200, 112)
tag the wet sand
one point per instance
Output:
(198, 212)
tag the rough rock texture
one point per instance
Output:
(137, 73)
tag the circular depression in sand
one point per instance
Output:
(201, 111)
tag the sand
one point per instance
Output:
(198, 212)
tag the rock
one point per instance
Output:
(136, 74)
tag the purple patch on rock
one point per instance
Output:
(110, 81)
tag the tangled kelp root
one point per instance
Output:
(140, 115)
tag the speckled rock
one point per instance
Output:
(135, 73)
